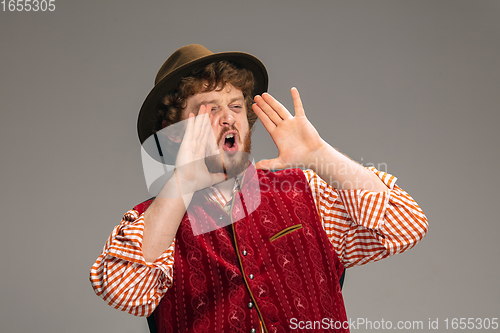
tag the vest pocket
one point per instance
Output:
(285, 231)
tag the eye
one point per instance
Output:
(236, 107)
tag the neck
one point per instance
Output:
(226, 188)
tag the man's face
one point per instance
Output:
(230, 126)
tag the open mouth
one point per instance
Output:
(230, 142)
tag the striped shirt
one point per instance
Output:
(363, 227)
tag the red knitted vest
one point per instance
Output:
(275, 265)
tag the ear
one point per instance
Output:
(174, 137)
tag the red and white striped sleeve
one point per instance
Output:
(366, 226)
(123, 278)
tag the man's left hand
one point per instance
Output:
(296, 138)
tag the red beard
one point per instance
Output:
(231, 164)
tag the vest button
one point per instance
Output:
(251, 276)
(220, 217)
(253, 330)
(245, 252)
(250, 305)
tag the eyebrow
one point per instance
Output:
(213, 101)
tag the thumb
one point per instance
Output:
(218, 178)
(270, 164)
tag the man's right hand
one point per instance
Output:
(191, 171)
(162, 218)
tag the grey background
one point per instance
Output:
(413, 85)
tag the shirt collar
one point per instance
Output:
(214, 194)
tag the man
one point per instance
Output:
(229, 247)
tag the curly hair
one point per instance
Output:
(214, 76)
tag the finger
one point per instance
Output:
(206, 120)
(203, 137)
(268, 124)
(270, 164)
(205, 125)
(276, 106)
(297, 103)
(268, 110)
(188, 134)
(207, 131)
(210, 141)
(200, 120)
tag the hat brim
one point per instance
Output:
(150, 107)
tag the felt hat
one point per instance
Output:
(181, 64)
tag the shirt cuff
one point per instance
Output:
(368, 208)
(388, 179)
(127, 244)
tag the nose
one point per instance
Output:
(225, 117)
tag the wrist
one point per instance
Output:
(318, 158)
(184, 185)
